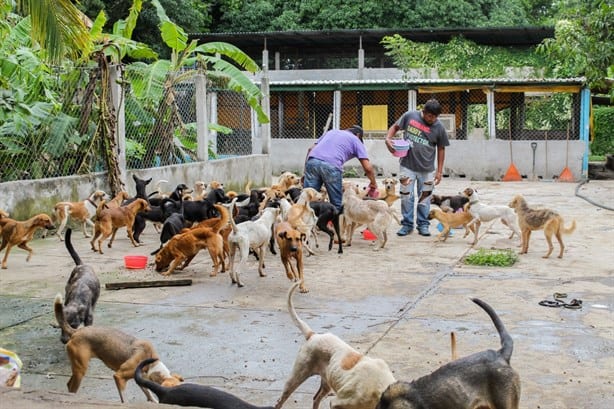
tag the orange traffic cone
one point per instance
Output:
(566, 175)
(512, 174)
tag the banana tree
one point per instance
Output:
(154, 84)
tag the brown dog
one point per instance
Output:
(185, 246)
(453, 220)
(19, 233)
(119, 351)
(537, 219)
(109, 220)
(290, 243)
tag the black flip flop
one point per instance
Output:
(550, 303)
(574, 304)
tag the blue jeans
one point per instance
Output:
(416, 184)
(318, 172)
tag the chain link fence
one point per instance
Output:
(62, 139)
(518, 115)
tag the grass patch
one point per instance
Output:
(596, 158)
(492, 258)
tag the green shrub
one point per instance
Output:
(495, 258)
(603, 141)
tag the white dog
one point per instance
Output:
(485, 213)
(79, 211)
(376, 214)
(246, 235)
(357, 380)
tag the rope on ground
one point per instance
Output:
(583, 182)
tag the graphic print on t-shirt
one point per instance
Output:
(416, 131)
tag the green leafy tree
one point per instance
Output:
(583, 44)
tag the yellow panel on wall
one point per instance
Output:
(375, 117)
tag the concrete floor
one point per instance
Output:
(399, 304)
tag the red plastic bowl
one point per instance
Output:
(135, 262)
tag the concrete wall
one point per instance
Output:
(473, 159)
(25, 198)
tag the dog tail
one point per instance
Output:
(159, 390)
(231, 212)
(248, 187)
(101, 205)
(58, 309)
(224, 217)
(507, 344)
(302, 325)
(70, 248)
(570, 229)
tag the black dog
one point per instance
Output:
(81, 292)
(172, 226)
(327, 212)
(449, 203)
(484, 379)
(191, 394)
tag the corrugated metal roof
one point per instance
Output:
(439, 81)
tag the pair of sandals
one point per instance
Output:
(559, 301)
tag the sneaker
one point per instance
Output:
(424, 231)
(404, 231)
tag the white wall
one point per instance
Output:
(473, 159)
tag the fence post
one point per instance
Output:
(336, 109)
(202, 124)
(266, 105)
(490, 105)
(117, 93)
(412, 100)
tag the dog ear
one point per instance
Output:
(303, 237)
(282, 234)
(178, 377)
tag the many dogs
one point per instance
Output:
(81, 292)
(481, 380)
(110, 220)
(357, 380)
(79, 211)
(191, 394)
(531, 219)
(119, 351)
(20, 233)
(486, 213)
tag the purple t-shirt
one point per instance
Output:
(425, 138)
(337, 147)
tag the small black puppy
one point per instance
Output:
(327, 212)
(449, 203)
(81, 292)
(173, 225)
(191, 394)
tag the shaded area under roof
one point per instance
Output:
(349, 39)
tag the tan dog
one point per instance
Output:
(537, 219)
(78, 211)
(185, 246)
(199, 190)
(288, 180)
(110, 220)
(117, 200)
(290, 243)
(19, 233)
(389, 192)
(376, 214)
(3, 214)
(357, 380)
(302, 217)
(454, 220)
(119, 351)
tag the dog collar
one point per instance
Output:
(92, 202)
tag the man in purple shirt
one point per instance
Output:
(325, 159)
